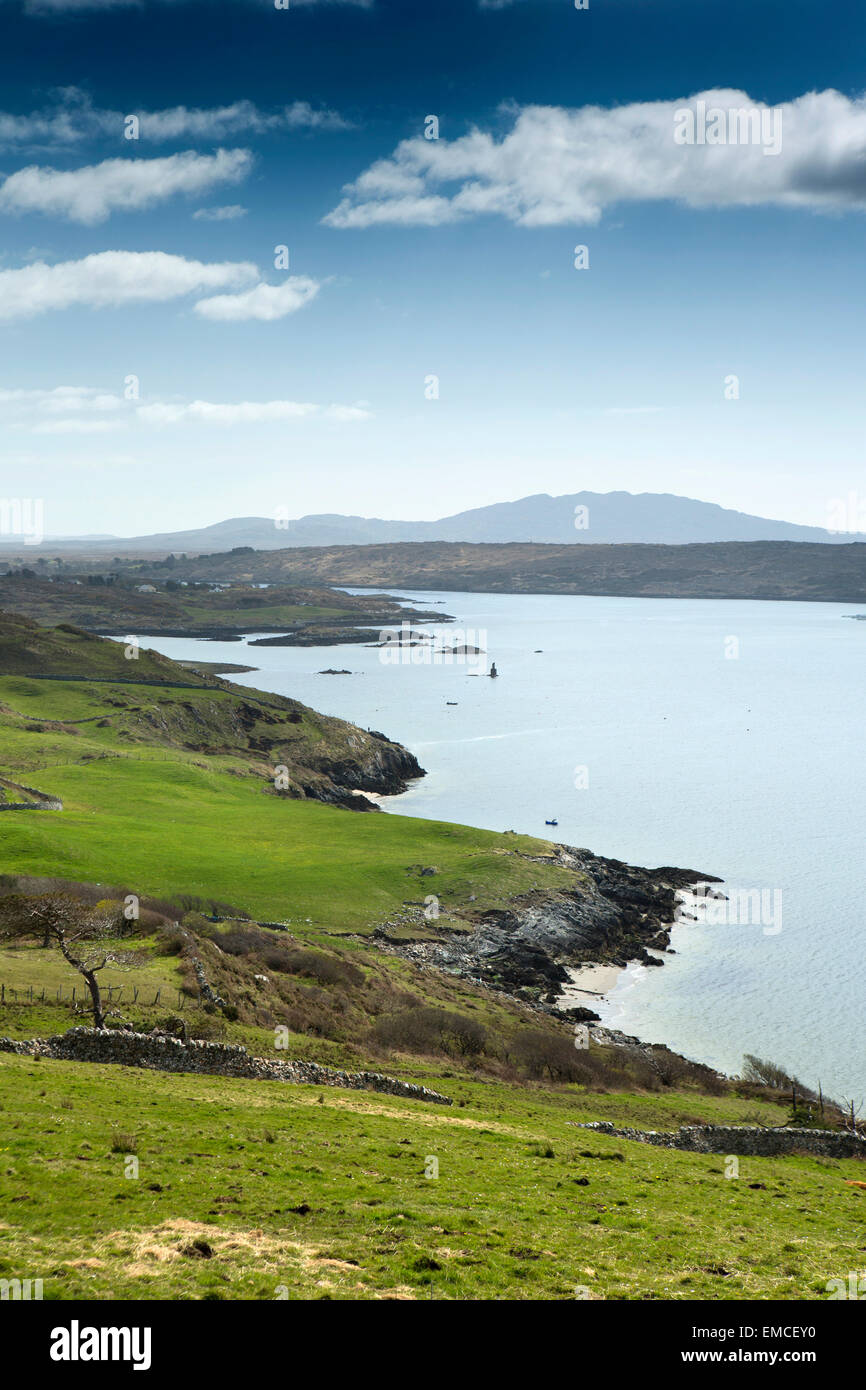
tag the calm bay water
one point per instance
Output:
(720, 736)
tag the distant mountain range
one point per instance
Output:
(588, 517)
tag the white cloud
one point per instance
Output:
(59, 7)
(72, 117)
(61, 399)
(75, 426)
(220, 122)
(557, 165)
(265, 302)
(91, 194)
(63, 410)
(302, 116)
(244, 412)
(349, 413)
(113, 278)
(220, 413)
(224, 214)
(91, 410)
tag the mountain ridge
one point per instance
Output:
(572, 518)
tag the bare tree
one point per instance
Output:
(84, 935)
(851, 1110)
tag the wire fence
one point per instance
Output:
(111, 994)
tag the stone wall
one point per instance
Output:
(160, 1052)
(731, 1139)
(39, 801)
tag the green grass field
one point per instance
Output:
(234, 1164)
(150, 814)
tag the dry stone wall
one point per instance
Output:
(160, 1052)
(731, 1139)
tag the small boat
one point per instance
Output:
(551, 822)
(451, 702)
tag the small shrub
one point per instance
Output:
(552, 1055)
(311, 1020)
(431, 1030)
(240, 941)
(171, 940)
(328, 970)
(124, 1143)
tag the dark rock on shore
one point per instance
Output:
(576, 1013)
(377, 766)
(612, 914)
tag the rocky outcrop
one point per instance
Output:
(612, 914)
(373, 764)
(162, 1052)
(732, 1139)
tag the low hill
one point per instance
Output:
(68, 652)
(735, 570)
(118, 603)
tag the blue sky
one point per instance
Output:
(160, 371)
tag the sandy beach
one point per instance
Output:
(587, 983)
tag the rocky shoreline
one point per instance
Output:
(330, 635)
(615, 914)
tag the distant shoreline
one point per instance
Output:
(781, 571)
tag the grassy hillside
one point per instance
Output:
(165, 825)
(325, 1194)
(142, 807)
(68, 699)
(27, 649)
